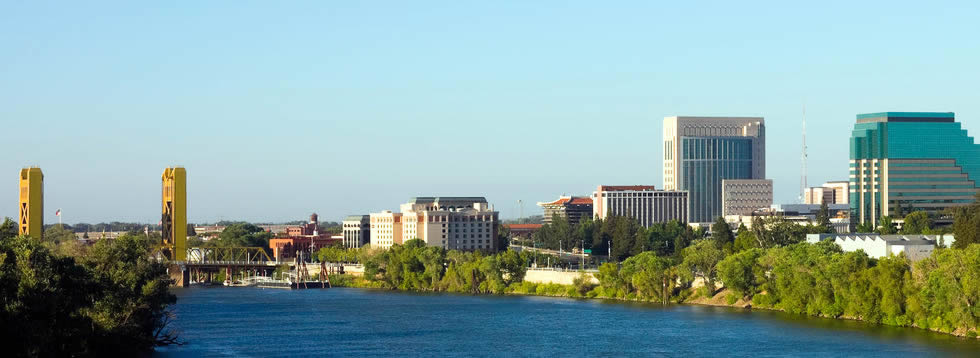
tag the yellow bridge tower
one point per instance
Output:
(174, 220)
(31, 202)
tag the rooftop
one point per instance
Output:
(523, 226)
(569, 200)
(627, 188)
(906, 117)
(439, 199)
(890, 239)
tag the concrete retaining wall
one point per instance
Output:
(560, 277)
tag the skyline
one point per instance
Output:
(273, 122)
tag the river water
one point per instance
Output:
(252, 322)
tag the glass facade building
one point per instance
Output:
(701, 152)
(906, 161)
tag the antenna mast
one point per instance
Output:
(803, 185)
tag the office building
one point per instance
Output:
(832, 192)
(906, 161)
(454, 223)
(357, 231)
(800, 214)
(31, 204)
(700, 152)
(572, 208)
(644, 203)
(744, 196)
(386, 229)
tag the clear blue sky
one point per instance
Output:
(279, 109)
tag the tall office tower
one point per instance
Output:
(700, 152)
(31, 206)
(174, 218)
(906, 161)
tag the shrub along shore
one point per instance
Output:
(940, 293)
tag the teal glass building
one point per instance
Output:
(906, 161)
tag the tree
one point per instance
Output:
(722, 235)
(886, 226)
(823, 218)
(57, 234)
(243, 235)
(916, 222)
(8, 229)
(864, 228)
(112, 304)
(966, 224)
(503, 238)
(651, 275)
(134, 288)
(740, 271)
(701, 260)
(772, 231)
(745, 239)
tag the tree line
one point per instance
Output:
(109, 300)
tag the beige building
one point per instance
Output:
(744, 196)
(700, 152)
(386, 229)
(644, 203)
(453, 223)
(357, 231)
(832, 192)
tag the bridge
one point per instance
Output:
(184, 264)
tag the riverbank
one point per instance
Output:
(723, 298)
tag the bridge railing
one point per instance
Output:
(229, 256)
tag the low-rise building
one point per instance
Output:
(357, 231)
(744, 196)
(572, 208)
(915, 247)
(307, 238)
(839, 225)
(644, 203)
(832, 192)
(835, 210)
(522, 230)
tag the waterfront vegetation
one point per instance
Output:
(766, 267)
(105, 300)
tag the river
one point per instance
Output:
(252, 322)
